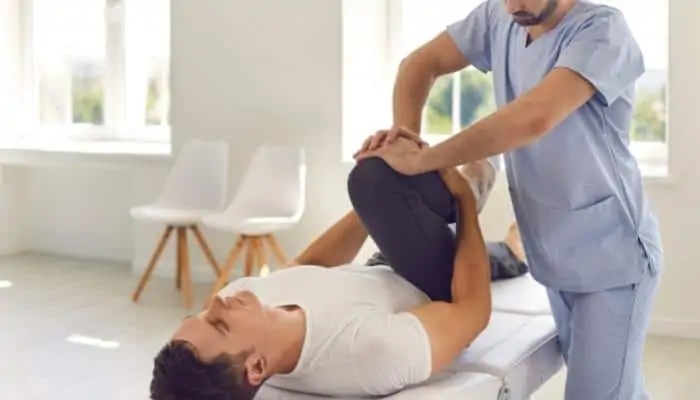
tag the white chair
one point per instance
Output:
(270, 198)
(196, 186)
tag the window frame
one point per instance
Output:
(116, 126)
(653, 157)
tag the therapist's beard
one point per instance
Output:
(524, 18)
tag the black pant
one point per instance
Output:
(408, 217)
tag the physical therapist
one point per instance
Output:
(564, 76)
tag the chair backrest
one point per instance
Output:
(274, 184)
(199, 177)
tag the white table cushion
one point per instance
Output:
(523, 350)
(521, 295)
(444, 386)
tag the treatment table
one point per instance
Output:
(516, 354)
(521, 295)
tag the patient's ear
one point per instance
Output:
(256, 369)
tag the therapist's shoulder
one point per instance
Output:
(497, 13)
(476, 35)
(487, 15)
(601, 18)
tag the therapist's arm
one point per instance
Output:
(451, 327)
(517, 124)
(466, 42)
(338, 245)
(416, 75)
(602, 58)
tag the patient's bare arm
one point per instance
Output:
(451, 327)
(338, 245)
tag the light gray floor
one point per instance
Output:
(53, 298)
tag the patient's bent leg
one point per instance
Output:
(410, 231)
(504, 262)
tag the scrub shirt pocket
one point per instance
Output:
(578, 247)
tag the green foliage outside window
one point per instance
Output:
(477, 101)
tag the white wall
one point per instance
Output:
(270, 71)
(251, 74)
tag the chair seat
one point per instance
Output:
(251, 226)
(173, 216)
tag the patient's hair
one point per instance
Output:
(178, 374)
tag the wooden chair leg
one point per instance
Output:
(276, 250)
(206, 249)
(178, 263)
(260, 255)
(183, 266)
(152, 264)
(228, 265)
(250, 256)
(178, 259)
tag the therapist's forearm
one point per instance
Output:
(411, 89)
(509, 128)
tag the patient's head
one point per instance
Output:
(220, 353)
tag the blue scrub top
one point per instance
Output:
(577, 192)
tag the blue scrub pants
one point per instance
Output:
(602, 335)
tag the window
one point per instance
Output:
(96, 69)
(462, 98)
(456, 100)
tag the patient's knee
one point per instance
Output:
(367, 179)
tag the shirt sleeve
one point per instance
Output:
(391, 352)
(604, 52)
(473, 36)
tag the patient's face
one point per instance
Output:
(232, 325)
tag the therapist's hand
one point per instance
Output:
(403, 155)
(386, 137)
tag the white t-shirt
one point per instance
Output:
(359, 339)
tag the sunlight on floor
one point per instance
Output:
(94, 342)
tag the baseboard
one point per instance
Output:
(679, 328)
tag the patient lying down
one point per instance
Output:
(329, 327)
